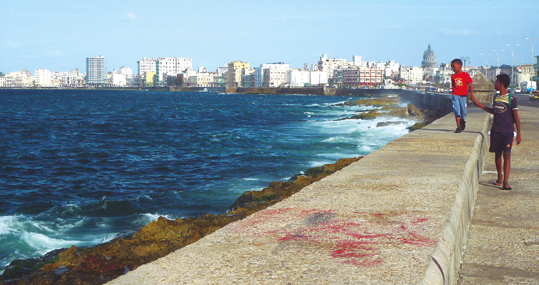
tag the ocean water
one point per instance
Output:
(81, 167)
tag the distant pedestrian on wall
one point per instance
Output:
(461, 82)
(505, 111)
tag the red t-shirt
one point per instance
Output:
(459, 82)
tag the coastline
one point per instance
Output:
(164, 236)
(107, 261)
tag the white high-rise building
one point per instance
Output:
(125, 70)
(299, 78)
(146, 65)
(356, 60)
(96, 71)
(64, 78)
(42, 78)
(172, 66)
(118, 79)
(329, 64)
(270, 74)
(392, 69)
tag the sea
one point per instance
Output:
(82, 167)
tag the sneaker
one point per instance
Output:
(458, 130)
(462, 124)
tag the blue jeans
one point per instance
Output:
(459, 106)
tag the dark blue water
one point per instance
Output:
(83, 167)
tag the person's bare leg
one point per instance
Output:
(458, 121)
(498, 162)
(506, 167)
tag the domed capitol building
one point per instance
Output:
(429, 59)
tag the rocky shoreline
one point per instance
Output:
(391, 106)
(102, 263)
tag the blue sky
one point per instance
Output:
(60, 35)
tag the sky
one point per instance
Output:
(60, 34)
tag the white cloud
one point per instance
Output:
(131, 16)
(458, 32)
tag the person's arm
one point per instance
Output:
(470, 87)
(476, 103)
(517, 121)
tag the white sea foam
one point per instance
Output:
(337, 139)
(316, 163)
(365, 149)
(44, 244)
(250, 179)
(8, 224)
(145, 219)
(104, 238)
(143, 197)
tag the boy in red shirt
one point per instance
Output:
(505, 111)
(460, 81)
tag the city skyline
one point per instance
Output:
(60, 35)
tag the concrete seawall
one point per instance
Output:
(443, 266)
(399, 216)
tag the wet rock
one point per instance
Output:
(389, 123)
(19, 268)
(385, 100)
(402, 113)
(414, 111)
(418, 125)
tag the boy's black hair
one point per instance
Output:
(504, 79)
(456, 60)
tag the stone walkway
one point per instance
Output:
(503, 247)
(378, 221)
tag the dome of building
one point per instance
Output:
(429, 59)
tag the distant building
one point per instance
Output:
(64, 78)
(330, 64)
(273, 74)
(443, 74)
(429, 59)
(148, 79)
(411, 74)
(42, 78)
(96, 71)
(301, 78)
(19, 79)
(235, 72)
(362, 76)
(171, 66)
(146, 65)
(125, 70)
(392, 69)
(118, 79)
(204, 79)
(248, 77)
(335, 66)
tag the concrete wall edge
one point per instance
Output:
(444, 263)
